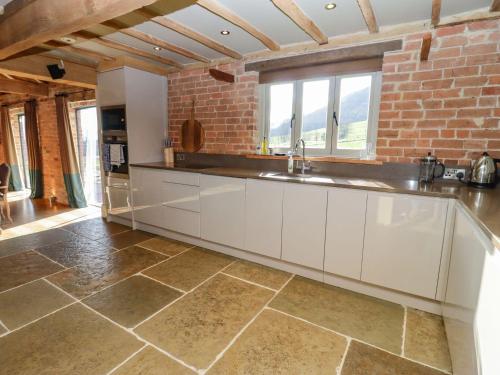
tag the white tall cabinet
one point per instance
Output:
(144, 95)
(403, 242)
(304, 220)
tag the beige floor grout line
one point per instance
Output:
(122, 327)
(7, 330)
(162, 283)
(159, 252)
(342, 361)
(242, 330)
(127, 359)
(53, 261)
(185, 294)
(355, 339)
(404, 332)
(42, 317)
(250, 282)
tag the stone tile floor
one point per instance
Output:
(98, 298)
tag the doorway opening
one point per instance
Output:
(88, 154)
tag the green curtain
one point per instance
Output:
(15, 183)
(71, 171)
(34, 154)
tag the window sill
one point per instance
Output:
(327, 159)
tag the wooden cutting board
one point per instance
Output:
(193, 135)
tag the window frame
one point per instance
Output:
(333, 105)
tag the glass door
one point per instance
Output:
(24, 163)
(88, 150)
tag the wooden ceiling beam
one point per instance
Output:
(38, 21)
(495, 6)
(191, 34)
(35, 67)
(125, 48)
(367, 10)
(150, 39)
(96, 56)
(219, 75)
(133, 62)
(292, 11)
(219, 10)
(436, 12)
(14, 86)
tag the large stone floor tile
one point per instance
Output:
(189, 269)
(24, 267)
(72, 341)
(363, 317)
(259, 274)
(425, 339)
(78, 250)
(27, 242)
(363, 359)
(132, 300)
(126, 239)
(278, 344)
(166, 246)
(29, 302)
(201, 324)
(96, 228)
(150, 361)
(84, 280)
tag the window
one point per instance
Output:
(334, 116)
(88, 154)
(24, 162)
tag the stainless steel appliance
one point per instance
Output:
(429, 166)
(484, 171)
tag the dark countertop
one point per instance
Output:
(482, 204)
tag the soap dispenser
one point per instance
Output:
(290, 162)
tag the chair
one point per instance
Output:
(4, 187)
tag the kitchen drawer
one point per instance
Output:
(184, 197)
(142, 176)
(186, 222)
(184, 178)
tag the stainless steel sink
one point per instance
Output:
(296, 177)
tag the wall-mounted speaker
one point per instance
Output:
(56, 71)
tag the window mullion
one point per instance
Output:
(297, 104)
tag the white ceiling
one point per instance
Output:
(346, 18)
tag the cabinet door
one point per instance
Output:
(264, 216)
(147, 196)
(403, 242)
(345, 231)
(304, 220)
(222, 201)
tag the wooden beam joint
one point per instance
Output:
(219, 75)
(426, 46)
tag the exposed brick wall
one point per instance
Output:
(227, 111)
(448, 105)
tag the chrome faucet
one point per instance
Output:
(306, 165)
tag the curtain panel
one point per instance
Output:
(15, 183)
(34, 153)
(69, 161)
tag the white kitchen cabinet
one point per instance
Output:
(345, 232)
(264, 217)
(403, 242)
(304, 220)
(222, 210)
(147, 195)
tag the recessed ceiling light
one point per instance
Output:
(156, 48)
(330, 6)
(68, 40)
(225, 32)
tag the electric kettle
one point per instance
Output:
(484, 171)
